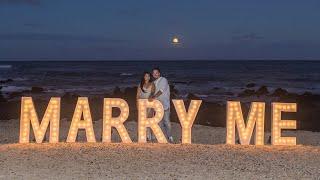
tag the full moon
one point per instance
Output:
(175, 40)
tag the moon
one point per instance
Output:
(175, 40)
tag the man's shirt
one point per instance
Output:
(162, 85)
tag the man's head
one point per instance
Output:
(156, 73)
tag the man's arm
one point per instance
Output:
(157, 94)
(163, 86)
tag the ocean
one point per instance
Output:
(210, 80)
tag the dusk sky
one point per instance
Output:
(142, 30)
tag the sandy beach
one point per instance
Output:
(224, 68)
(207, 158)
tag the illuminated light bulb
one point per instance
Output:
(153, 121)
(27, 107)
(278, 124)
(116, 122)
(85, 124)
(235, 118)
(187, 118)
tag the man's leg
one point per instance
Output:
(167, 125)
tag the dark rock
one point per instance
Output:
(192, 97)
(15, 94)
(37, 90)
(279, 92)
(263, 90)
(246, 93)
(6, 81)
(21, 93)
(70, 96)
(307, 94)
(250, 85)
(310, 96)
(173, 92)
(130, 92)
(2, 99)
(228, 93)
(117, 92)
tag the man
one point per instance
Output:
(162, 93)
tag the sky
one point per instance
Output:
(143, 29)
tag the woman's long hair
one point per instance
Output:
(142, 82)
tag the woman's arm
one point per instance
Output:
(138, 92)
(138, 95)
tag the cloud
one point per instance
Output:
(17, 2)
(129, 12)
(247, 37)
(58, 37)
(32, 25)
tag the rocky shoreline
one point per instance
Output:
(210, 113)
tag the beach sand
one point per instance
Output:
(207, 158)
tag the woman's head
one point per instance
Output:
(146, 76)
(145, 79)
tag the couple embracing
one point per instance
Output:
(159, 89)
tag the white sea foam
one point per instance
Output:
(14, 88)
(20, 79)
(126, 74)
(4, 66)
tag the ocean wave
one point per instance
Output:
(202, 95)
(4, 66)
(126, 74)
(12, 80)
(14, 88)
(20, 79)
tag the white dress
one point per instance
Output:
(146, 94)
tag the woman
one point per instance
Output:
(146, 89)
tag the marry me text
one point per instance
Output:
(82, 120)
